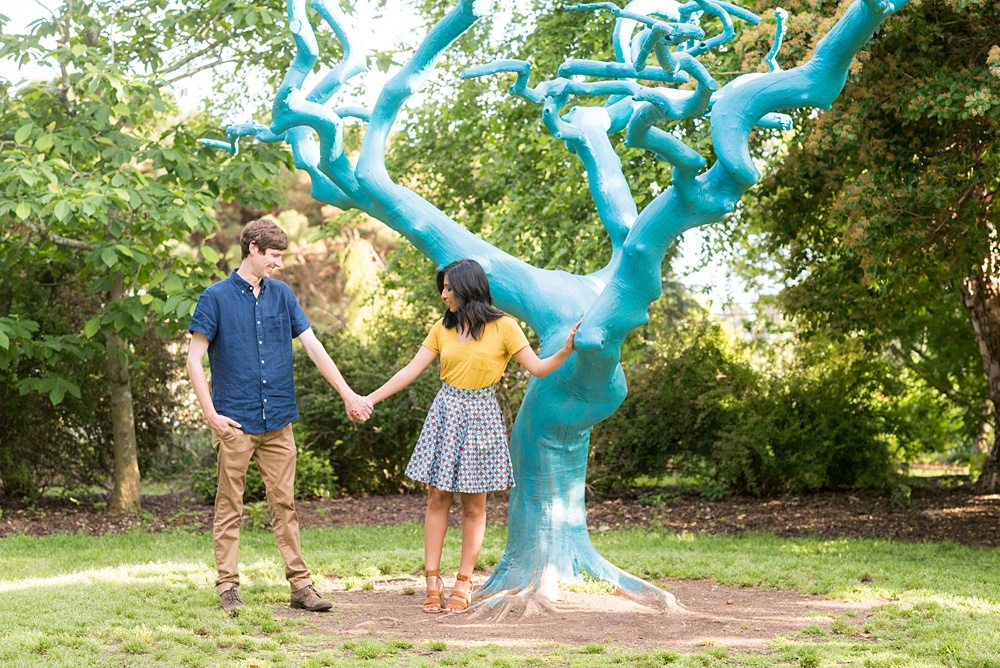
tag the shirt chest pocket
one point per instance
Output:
(276, 328)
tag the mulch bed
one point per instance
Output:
(954, 512)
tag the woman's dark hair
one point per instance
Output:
(472, 290)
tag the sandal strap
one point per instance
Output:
(430, 574)
(463, 578)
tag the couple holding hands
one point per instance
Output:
(251, 404)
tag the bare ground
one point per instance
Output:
(713, 615)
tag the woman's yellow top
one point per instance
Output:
(477, 363)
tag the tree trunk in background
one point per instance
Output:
(981, 297)
(125, 494)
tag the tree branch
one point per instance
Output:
(41, 232)
(207, 66)
(184, 61)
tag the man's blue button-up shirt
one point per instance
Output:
(250, 350)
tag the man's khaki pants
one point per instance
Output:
(274, 452)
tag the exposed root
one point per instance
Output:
(505, 600)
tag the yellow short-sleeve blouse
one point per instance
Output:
(476, 363)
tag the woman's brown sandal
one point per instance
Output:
(459, 601)
(433, 601)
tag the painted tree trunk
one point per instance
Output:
(125, 493)
(548, 541)
(981, 297)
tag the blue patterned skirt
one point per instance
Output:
(463, 444)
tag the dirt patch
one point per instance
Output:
(954, 512)
(713, 615)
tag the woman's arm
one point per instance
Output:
(404, 376)
(540, 368)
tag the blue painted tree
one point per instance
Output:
(657, 42)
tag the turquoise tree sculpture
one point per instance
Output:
(656, 41)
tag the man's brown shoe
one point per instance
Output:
(307, 599)
(230, 599)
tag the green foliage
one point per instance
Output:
(885, 204)
(68, 444)
(831, 417)
(314, 479)
(100, 174)
(103, 184)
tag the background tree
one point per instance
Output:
(102, 180)
(547, 530)
(882, 218)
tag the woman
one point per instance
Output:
(463, 444)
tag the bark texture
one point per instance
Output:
(125, 494)
(981, 297)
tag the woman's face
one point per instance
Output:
(449, 297)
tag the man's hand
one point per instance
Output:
(359, 408)
(220, 422)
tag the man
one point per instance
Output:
(246, 324)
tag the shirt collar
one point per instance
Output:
(242, 285)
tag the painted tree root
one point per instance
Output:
(547, 529)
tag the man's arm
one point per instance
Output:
(357, 407)
(195, 359)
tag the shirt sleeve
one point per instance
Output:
(433, 340)
(513, 338)
(300, 322)
(206, 316)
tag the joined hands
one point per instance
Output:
(359, 408)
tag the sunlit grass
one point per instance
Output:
(139, 599)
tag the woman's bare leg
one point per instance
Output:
(435, 527)
(473, 530)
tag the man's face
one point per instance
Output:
(266, 262)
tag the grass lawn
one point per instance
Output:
(140, 599)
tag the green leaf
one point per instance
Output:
(78, 50)
(23, 210)
(43, 143)
(173, 285)
(259, 172)
(4, 341)
(124, 250)
(171, 304)
(23, 133)
(61, 210)
(109, 256)
(92, 327)
(121, 109)
(146, 299)
(210, 254)
(57, 394)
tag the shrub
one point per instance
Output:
(697, 407)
